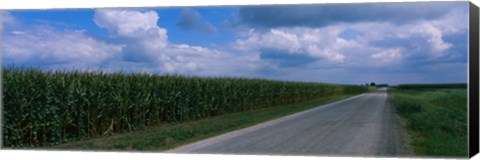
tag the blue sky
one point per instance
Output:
(421, 42)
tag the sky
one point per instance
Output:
(394, 43)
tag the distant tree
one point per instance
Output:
(372, 84)
(366, 84)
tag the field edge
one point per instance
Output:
(169, 136)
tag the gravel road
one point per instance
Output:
(364, 125)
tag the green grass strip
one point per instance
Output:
(436, 120)
(168, 136)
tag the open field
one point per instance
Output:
(42, 109)
(432, 86)
(436, 118)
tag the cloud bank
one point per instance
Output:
(45, 46)
(334, 43)
(328, 14)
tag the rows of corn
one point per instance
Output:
(44, 108)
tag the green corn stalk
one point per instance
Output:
(44, 108)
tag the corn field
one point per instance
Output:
(45, 108)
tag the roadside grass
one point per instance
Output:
(436, 120)
(167, 136)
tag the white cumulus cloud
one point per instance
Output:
(308, 41)
(49, 46)
(148, 43)
(388, 56)
(136, 25)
